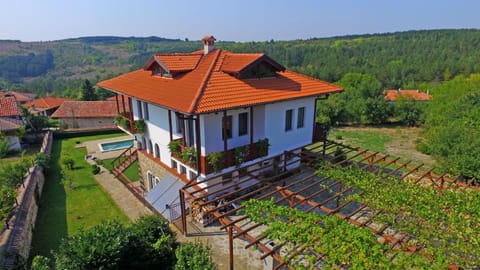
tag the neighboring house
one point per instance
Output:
(20, 97)
(10, 121)
(216, 101)
(394, 95)
(87, 114)
(45, 106)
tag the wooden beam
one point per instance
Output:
(251, 125)
(170, 124)
(224, 130)
(198, 143)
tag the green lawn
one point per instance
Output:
(63, 211)
(131, 173)
(372, 140)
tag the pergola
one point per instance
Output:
(303, 189)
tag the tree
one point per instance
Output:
(377, 110)
(146, 244)
(410, 112)
(4, 146)
(88, 93)
(453, 126)
(193, 256)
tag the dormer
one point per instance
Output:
(208, 44)
(250, 66)
(172, 65)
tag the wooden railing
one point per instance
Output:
(124, 160)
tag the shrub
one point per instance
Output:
(215, 159)
(263, 146)
(42, 160)
(95, 169)
(240, 155)
(189, 155)
(4, 146)
(40, 263)
(140, 126)
(68, 162)
(194, 257)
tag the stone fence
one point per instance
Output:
(16, 237)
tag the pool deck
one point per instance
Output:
(93, 147)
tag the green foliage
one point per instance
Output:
(193, 256)
(377, 110)
(453, 126)
(14, 67)
(189, 155)
(119, 120)
(95, 169)
(175, 147)
(42, 160)
(262, 147)
(4, 146)
(68, 161)
(140, 126)
(441, 221)
(35, 121)
(7, 201)
(88, 93)
(112, 245)
(241, 153)
(410, 112)
(41, 263)
(215, 159)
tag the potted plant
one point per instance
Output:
(140, 126)
(189, 155)
(241, 153)
(175, 147)
(262, 147)
(215, 159)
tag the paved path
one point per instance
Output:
(130, 205)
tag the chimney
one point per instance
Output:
(208, 44)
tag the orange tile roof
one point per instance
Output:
(46, 103)
(7, 124)
(86, 109)
(393, 95)
(179, 62)
(8, 107)
(21, 97)
(209, 88)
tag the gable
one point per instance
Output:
(252, 65)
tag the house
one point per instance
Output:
(10, 121)
(87, 114)
(45, 106)
(210, 111)
(20, 97)
(394, 95)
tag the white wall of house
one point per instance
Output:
(281, 140)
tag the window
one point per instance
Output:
(178, 124)
(301, 117)
(242, 124)
(139, 109)
(145, 108)
(288, 120)
(227, 127)
(150, 180)
(157, 180)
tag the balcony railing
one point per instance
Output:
(126, 122)
(232, 157)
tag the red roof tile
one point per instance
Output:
(392, 95)
(7, 124)
(209, 88)
(8, 107)
(46, 103)
(21, 97)
(86, 109)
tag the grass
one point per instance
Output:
(394, 141)
(131, 173)
(63, 211)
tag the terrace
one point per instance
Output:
(221, 204)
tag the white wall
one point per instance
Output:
(281, 140)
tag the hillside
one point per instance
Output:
(402, 59)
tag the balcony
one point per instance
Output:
(125, 121)
(216, 161)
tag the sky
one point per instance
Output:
(245, 20)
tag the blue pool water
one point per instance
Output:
(116, 145)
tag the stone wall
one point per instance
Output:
(16, 238)
(145, 164)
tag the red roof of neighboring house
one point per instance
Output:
(86, 109)
(393, 95)
(21, 97)
(7, 124)
(125, 99)
(212, 86)
(8, 107)
(46, 103)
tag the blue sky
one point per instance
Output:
(246, 20)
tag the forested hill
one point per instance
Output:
(402, 59)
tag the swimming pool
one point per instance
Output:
(115, 145)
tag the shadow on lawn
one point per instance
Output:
(51, 225)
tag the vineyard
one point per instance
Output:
(346, 208)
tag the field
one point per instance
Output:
(394, 141)
(64, 210)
